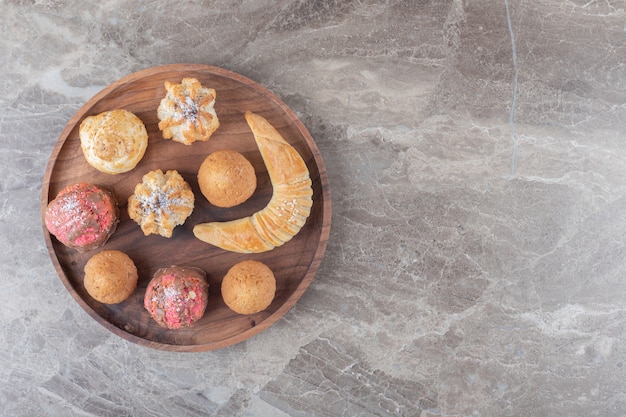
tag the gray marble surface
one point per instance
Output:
(477, 161)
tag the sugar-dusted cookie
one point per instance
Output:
(187, 112)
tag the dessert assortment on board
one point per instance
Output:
(84, 216)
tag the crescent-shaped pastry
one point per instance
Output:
(287, 210)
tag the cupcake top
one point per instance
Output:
(226, 178)
(82, 216)
(248, 287)
(110, 276)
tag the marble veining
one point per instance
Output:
(514, 99)
(475, 151)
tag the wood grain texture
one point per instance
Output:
(294, 264)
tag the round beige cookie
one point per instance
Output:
(113, 141)
(110, 276)
(248, 287)
(226, 178)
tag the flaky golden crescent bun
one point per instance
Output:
(288, 209)
(113, 141)
(187, 112)
(248, 287)
(110, 276)
(226, 178)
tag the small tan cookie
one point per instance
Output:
(110, 276)
(113, 141)
(226, 178)
(248, 287)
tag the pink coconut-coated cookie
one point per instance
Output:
(82, 216)
(177, 296)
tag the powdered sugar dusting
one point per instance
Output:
(71, 207)
(171, 292)
(289, 210)
(159, 202)
(189, 109)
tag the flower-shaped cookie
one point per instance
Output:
(161, 202)
(187, 112)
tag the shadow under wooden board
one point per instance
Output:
(294, 264)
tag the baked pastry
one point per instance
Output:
(113, 141)
(187, 112)
(248, 287)
(226, 178)
(110, 276)
(82, 216)
(287, 211)
(161, 202)
(177, 296)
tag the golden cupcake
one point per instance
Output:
(187, 112)
(110, 276)
(226, 178)
(248, 287)
(161, 202)
(113, 141)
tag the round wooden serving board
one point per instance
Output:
(294, 264)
